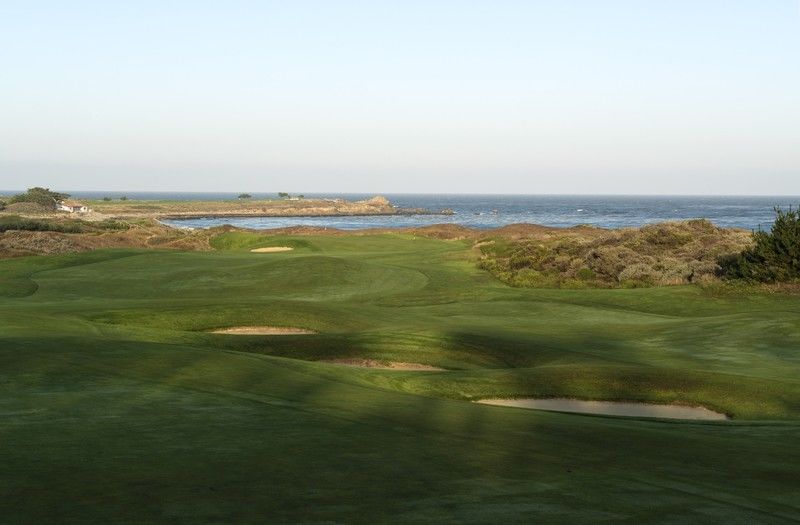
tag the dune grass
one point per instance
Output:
(118, 405)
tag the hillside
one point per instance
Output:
(120, 403)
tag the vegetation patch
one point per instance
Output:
(774, 255)
(14, 222)
(660, 254)
(41, 196)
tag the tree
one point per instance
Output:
(283, 195)
(106, 199)
(301, 196)
(42, 196)
(123, 198)
(245, 196)
(774, 256)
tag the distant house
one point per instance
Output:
(72, 207)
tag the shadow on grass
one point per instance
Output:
(103, 429)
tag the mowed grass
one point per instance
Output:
(119, 405)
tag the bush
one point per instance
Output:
(774, 256)
(2, 205)
(653, 255)
(110, 224)
(42, 196)
(14, 222)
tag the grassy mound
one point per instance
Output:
(28, 207)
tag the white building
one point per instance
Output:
(72, 207)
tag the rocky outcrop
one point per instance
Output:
(297, 208)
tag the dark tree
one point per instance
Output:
(245, 196)
(774, 256)
(283, 195)
(123, 198)
(42, 196)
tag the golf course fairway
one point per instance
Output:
(121, 405)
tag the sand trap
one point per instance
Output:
(611, 408)
(263, 330)
(272, 249)
(382, 365)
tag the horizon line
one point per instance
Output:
(6, 192)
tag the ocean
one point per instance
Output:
(491, 211)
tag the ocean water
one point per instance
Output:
(491, 211)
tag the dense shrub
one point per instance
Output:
(109, 224)
(14, 222)
(2, 205)
(658, 254)
(774, 255)
(42, 196)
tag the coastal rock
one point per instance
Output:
(378, 201)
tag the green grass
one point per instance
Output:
(118, 405)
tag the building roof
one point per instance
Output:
(72, 204)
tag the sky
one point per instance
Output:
(560, 96)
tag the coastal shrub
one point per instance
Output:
(42, 196)
(774, 255)
(14, 222)
(638, 272)
(110, 224)
(654, 255)
(2, 205)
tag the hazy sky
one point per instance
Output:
(559, 96)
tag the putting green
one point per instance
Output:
(119, 405)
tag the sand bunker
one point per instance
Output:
(272, 249)
(382, 365)
(611, 408)
(263, 330)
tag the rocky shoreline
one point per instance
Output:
(399, 211)
(175, 210)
